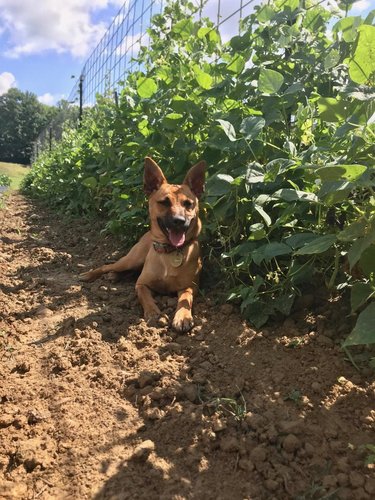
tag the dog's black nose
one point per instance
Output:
(178, 221)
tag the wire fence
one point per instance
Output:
(115, 55)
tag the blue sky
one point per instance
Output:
(43, 43)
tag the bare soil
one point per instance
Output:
(96, 404)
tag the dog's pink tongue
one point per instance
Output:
(177, 239)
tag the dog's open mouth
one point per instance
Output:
(176, 238)
(176, 235)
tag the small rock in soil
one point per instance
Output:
(219, 425)
(154, 413)
(190, 391)
(144, 449)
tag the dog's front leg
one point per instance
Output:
(134, 259)
(150, 309)
(183, 319)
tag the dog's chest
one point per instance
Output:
(173, 264)
(170, 272)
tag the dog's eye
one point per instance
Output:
(166, 202)
(188, 204)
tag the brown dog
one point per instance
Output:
(169, 253)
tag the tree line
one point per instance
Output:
(22, 118)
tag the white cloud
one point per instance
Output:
(34, 27)
(131, 44)
(7, 80)
(50, 99)
(361, 5)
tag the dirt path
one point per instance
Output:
(95, 404)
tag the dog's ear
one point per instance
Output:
(195, 178)
(153, 176)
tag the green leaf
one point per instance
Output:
(367, 261)
(204, 79)
(332, 59)
(359, 295)
(265, 13)
(355, 230)
(267, 219)
(270, 81)
(295, 195)
(348, 27)
(174, 116)
(219, 184)
(202, 32)
(294, 88)
(184, 28)
(364, 330)
(319, 245)
(228, 129)
(298, 240)
(146, 87)
(212, 33)
(257, 231)
(332, 192)
(237, 64)
(333, 110)
(340, 172)
(171, 120)
(90, 182)
(284, 303)
(269, 251)
(362, 64)
(257, 314)
(360, 245)
(239, 43)
(254, 173)
(164, 73)
(252, 126)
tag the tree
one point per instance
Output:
(22, 117)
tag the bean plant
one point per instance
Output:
(283, 113)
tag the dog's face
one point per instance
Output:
(174, 208)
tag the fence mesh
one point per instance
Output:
(115, 55)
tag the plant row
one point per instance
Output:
(283, 114)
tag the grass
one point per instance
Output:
(16, 173)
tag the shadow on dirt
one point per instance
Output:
(223, 412)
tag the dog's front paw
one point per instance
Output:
(88, 276)
(152, 315)
(183, 321)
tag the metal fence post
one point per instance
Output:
(81, 78)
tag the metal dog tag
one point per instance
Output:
(177, 259)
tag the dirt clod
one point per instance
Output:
(291, 443)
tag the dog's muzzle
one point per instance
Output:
(175, 228)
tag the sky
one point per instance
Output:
(45, 44)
